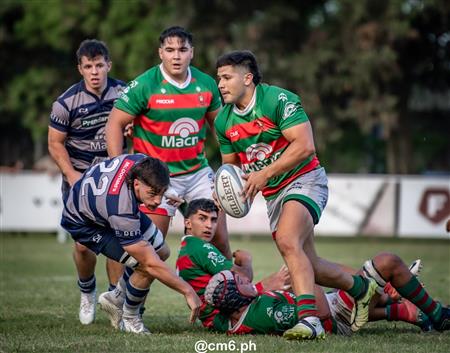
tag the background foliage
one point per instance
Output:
(374, 76)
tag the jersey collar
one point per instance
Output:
(248, 108)
(104, 92)
(173, 82)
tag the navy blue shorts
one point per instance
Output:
(102, 240)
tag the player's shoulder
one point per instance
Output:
(147, 78)
(198, 74)
(275, 93)
(223, 114)
(76, 88)
(114, 82)
(190, 239)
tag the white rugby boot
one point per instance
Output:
(308, 328)
(112, 306)
(133, 324)
(87, 307)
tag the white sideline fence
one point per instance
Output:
(363, 205)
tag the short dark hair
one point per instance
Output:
(243, 58)
(206, 205)
(91, 48)
(152, 172)
(176, 31)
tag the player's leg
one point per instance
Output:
(308, 194)
(124, 303)
(393, 270)
(295, 227)
(137, 288)
(114, 270)
(85, 261)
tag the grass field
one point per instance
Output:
(39, 302)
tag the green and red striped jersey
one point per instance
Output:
(170, 118)
(255, 134)
(272, 312)
(197, 262)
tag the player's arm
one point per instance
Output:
(301, 146)
(150, 263)
(243, 263)
(231, 158)
(58, 152)
(210, 117)
(115, 127)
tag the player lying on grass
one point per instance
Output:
(102, 213)
(198, 260)
(243, 310)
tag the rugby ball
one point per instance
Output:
(229, 187)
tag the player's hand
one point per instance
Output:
(194, 303)
(73, 177)
(128, 131)
(242, 257)
(280, 280)
(216, 201)
(173, 198)
(254, 183)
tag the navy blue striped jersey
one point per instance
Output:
(102, 199)
(82, 115)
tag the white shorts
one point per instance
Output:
(341, 306)
(189, 187)
(310, 189)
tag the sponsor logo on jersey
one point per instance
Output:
(99, 141)
(282, 97)
(215, 258)
(284, 315)
(201, 99)
(96, 238)
(123, 94)
(234, 133)
(289, 109)
(97, 145)
(179, 133)
(259, 165)
(165, 101)
(120, 177)
(208, 246)
(258, 151)
(128, 233)
(83, 110)
(93, 121)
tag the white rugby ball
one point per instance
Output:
(229, 186)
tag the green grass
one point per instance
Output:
(39, 302)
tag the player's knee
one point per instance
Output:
(143, 270)
(82, 250)
(286, 246)
(386, 263)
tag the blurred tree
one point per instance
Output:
(373, 75)
(361, 70)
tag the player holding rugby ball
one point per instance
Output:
(264, 130)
